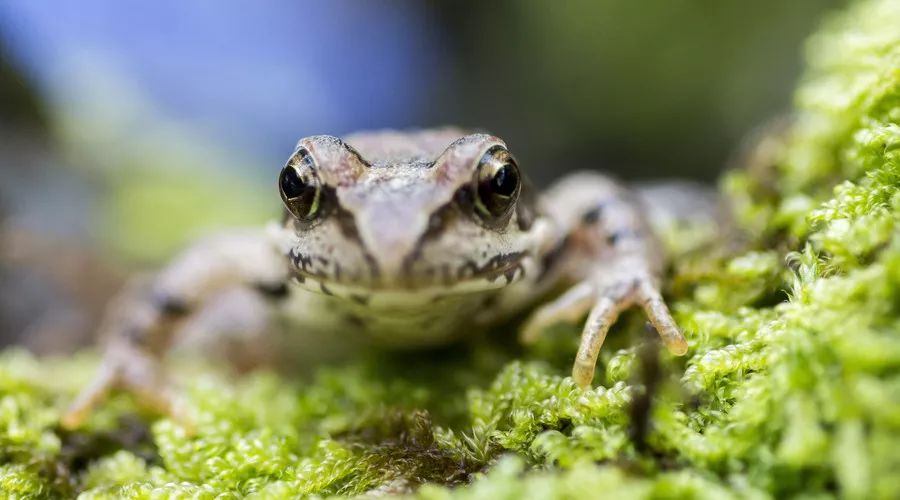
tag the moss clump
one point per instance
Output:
(791, 386)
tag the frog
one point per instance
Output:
(414, 238)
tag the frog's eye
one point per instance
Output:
(300, 188)
(497, 183)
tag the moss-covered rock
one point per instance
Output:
(791, 385)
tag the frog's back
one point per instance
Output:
(392, 147)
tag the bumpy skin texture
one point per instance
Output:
(409, 238)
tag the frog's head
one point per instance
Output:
(407, 211)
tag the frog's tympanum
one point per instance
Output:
(414, 239)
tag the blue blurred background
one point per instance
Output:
(127, 129)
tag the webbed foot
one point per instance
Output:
(125, 367)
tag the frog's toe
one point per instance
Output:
(90, 397)
(583, 374)
(600, 319)
(655, 307)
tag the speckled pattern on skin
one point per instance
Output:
(409, 238)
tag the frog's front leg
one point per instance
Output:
(142, 321)
(615, 262)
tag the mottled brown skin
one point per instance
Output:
(411, 238)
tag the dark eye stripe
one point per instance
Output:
(526, 205)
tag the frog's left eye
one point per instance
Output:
(497, 183)
(300, 189)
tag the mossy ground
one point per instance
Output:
(791, 386)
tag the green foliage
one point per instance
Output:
(791, 386)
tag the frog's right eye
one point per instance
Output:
(300, 189)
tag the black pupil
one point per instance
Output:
(291, 184)
(505, 180)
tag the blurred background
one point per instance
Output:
(127, 129)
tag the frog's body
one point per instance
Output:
(413, 239)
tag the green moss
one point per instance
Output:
(791, 385)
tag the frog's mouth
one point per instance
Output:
(444, 279)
